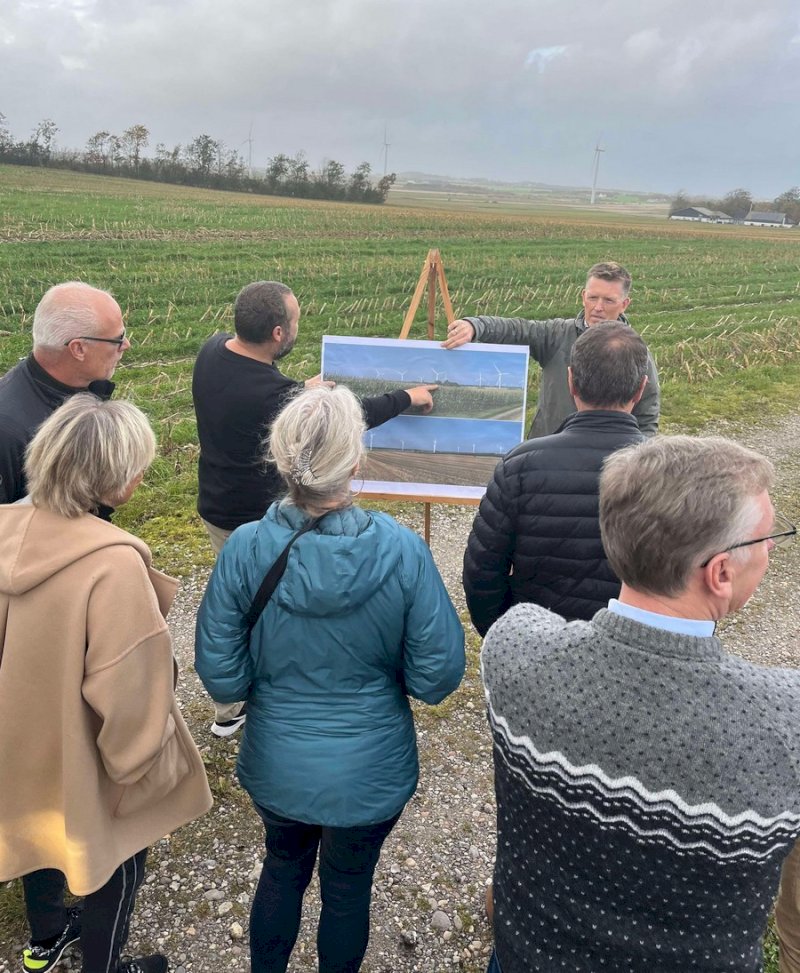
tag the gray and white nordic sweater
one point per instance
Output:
(648, 790)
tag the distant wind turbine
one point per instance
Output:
(249, 142)
(500, 376)
(597, 151)
(385, 150)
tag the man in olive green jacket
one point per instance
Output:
(605, 298)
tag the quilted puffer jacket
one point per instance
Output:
(360, 618)
(536, 536)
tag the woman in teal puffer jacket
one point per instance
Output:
(359, 621)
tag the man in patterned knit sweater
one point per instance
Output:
(648, 783)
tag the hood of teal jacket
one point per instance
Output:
(346, 549)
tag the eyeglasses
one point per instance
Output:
(780, 537)
(119, 342)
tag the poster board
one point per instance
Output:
(450, 453)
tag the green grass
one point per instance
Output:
(717, 305)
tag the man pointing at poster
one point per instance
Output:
(605, 298)
(238, 391)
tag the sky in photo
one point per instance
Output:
(424, 362)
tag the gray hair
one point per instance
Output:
(259, 309)
(86, 454)
(673, 502)
(611, 271)
(608, 363)
(316, 445)
(66, 311)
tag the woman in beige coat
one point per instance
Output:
(96, 762)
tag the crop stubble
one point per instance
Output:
(717, 305)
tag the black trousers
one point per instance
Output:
(106, 912)
(347, 860)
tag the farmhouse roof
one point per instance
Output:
(709, 214)
(764, 216)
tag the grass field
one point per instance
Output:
(717, 305)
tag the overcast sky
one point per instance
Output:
(681, 94)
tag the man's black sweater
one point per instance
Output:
(236, 400)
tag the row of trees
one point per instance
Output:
(204, 161)
(738, 203)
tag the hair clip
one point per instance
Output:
(301, 471)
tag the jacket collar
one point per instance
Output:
(55, 391)
(598, 417)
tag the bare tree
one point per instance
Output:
(97, 148)
(6, 141)
(737, 203)
(135, 138)
(43, 140)
(789, 203)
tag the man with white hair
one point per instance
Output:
(648, 783)
(78, 340)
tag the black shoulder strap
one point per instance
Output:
(273, 576)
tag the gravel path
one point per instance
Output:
(428, 910)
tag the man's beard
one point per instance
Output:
(285, 347)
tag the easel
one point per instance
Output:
(432, 274)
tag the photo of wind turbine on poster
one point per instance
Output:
(478, 413)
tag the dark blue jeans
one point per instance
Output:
(347, 860)
(494, 964)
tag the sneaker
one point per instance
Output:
(157, 963)
(39, 959)
(229, 727)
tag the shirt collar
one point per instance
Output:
(697, 627)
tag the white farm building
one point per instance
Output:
(699, 214)
(755, 218)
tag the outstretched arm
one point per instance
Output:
(542, 337)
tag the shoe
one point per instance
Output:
(39, 959)
(229, 727)
(157, 963)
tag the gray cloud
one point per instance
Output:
(518, 90)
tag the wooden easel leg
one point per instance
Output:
(432, 296)
(427, 534)
(424, 277)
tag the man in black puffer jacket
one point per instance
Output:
(536, 536)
